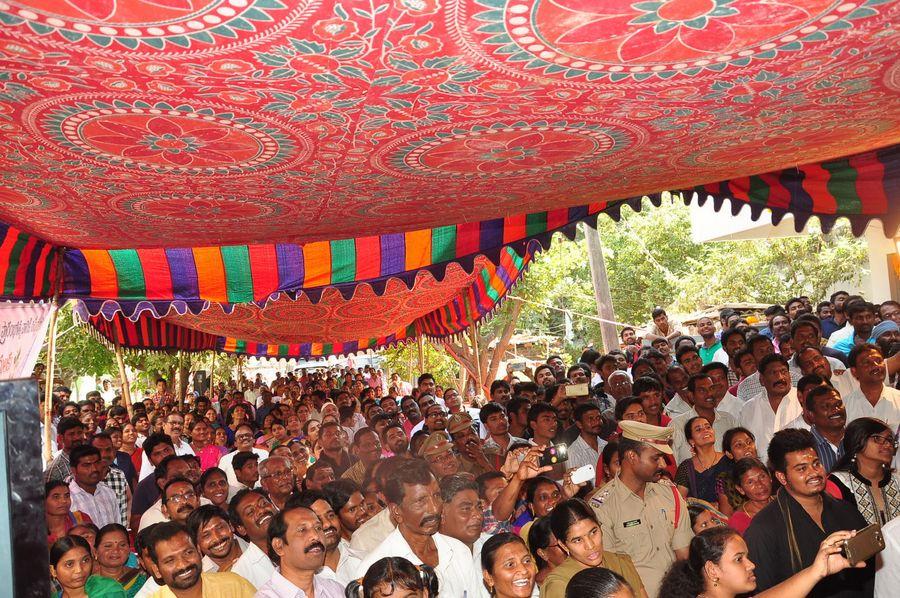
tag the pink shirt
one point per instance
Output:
(209, 456)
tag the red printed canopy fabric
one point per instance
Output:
(197, 152)
(184, 123)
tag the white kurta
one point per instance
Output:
(758, 417)
(456, 572)
(886, 409)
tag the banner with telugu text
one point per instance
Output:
(22, 330)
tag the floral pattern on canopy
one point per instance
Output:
(162, 128)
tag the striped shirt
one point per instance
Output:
(828, 453)
(102, 506)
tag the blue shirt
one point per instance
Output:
(827, 457)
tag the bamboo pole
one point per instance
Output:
(123, 378)
(473, 333)
(421, 343)
(48, 390)
(212, 376)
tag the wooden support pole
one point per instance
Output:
(48, 389)
(421, 342)
(602, 295)
(473, 334)
(212, 376)
(123, 378)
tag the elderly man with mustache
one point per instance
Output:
(222, 550)
(776, 406)
(296, 543)
(174, 559)
(415, 503)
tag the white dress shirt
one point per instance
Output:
(346, 567)
(886, 409)
(279, 587)
(887, 578)
(682, 447)
(456, 572)
(798, 423)
(676, 406)
(731, 405)
(371, 534)
(581, 453)
(226, 466)
(253, 564)
(147, 468)
(758, 417)
(155, 515)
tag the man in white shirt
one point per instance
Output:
(403, 387)
(251, 514)
(222, 550)
(462, 516)
(676, 379)
(804, 386)
(811, 360)
(725, 401)
(171, 468)
(172, 427)
(297, 547)
(414, 499)
(243, 443)
(587, 447)
(873, 398)
(701, 386)
(89, 494)
(337, 550)
(775, 407)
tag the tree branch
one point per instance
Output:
(503, 343)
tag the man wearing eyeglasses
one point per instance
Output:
(179, 500)
(243, 443)
(277, 478)
(438, 452)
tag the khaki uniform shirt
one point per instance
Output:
(466, 465)
(554, 585)
(644, 529)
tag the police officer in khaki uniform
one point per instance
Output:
(640, 513)
(472, 456)
(438, 452)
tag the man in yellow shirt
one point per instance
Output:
(175, 560)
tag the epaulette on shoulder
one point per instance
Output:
(597, 499)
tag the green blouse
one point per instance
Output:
(98, 586)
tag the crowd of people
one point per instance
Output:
(736, 463)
